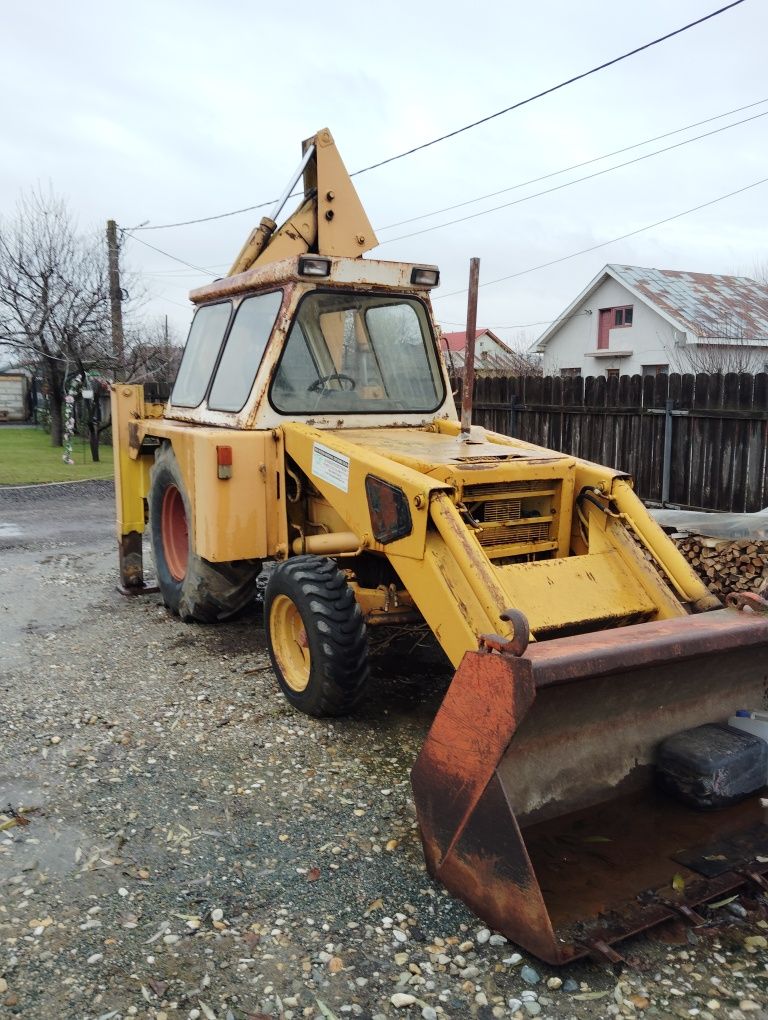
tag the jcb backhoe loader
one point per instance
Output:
(312, 424)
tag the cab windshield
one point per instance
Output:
(349, 353)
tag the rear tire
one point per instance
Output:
(316, 636)
(193, 588)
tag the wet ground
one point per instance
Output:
(185, 846)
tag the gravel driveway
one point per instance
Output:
(192, 848)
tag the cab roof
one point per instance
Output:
(342, 272)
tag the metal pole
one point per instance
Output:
(469, 350)
(666, 467)
(513, 416)
(115, 300)
(292, 182)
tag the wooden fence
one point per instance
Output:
(698, 442)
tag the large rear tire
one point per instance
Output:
(193, 588)
(316, 636)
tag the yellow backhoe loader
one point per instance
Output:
(312, 424)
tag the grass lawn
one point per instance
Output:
(27, 457)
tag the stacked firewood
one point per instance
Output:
(726, 566)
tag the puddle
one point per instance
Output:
(46, 844)
(21, 794)
(10, 531)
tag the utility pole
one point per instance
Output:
(469, 350)
(115, 300)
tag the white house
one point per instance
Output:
(631, 320)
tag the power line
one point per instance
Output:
(577, 180)
(476, 123)
(162, 297)
(520, 325)
(613, 240)
(555, 88)
(178, 274)
(518, 201)
(167, 254)
(578, 166)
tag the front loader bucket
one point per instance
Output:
(535, 787)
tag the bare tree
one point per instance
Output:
(760, 271)
(54, 309)
(153, 352)
(529, 362)
(726, 346)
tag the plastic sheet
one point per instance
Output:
(728, 527)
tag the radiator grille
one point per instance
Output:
(501, 510)
(495, 491)
(512, 534)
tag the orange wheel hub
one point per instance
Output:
(175, 533)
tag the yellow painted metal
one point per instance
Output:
(438, 585)
(575, 593)
(611, 582)
(444, 455)
(131, 476)
(289, 643)
(665, 551)
(479, 574)
(383, 602)
(242, 517)
(332, 544)
(330, 220)
(306, 444)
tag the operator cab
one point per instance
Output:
(304, 350)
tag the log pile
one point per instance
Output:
(726, 566)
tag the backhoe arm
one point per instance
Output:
(330, 220)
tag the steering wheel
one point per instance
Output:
(319, 384)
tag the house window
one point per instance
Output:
(567, 373)
(655, 369)
(612, 373)
(611, 318)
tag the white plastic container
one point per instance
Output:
(752, 722)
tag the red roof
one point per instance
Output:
(458, 341)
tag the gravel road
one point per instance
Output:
(192, 848)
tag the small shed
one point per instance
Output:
(13, 397)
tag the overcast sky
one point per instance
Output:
(167, 111)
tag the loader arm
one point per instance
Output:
(462, 574)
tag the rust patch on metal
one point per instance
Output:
(535, 789)
(489, 696)
(646, 644)
(517, 644)
(131, 561)
(134, 436)
(750, 601)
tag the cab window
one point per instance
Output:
(202, 349)
(244, 350)
(352, 353)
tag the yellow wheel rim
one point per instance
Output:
(289, 643)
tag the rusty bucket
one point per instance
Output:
(535, 788)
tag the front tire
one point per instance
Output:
(316, 636)
(193, 588)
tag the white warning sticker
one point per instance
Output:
(331, 466)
